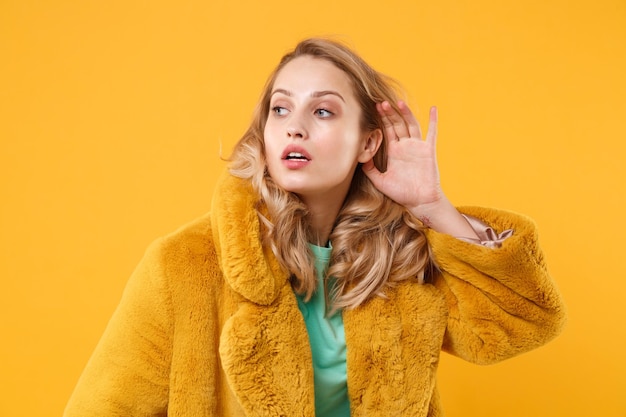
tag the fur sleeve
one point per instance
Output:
(128, 373)
(501, 301)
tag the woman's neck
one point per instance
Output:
(322, 214)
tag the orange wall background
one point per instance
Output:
(113, 114)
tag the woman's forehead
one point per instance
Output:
(308, 75)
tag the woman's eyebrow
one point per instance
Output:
(282, 91)
(313, 94)
(326, 92)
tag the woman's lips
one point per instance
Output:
(295, 157)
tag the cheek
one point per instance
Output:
(267, 139)
(271, 151)
(351, 145)
(269, 147)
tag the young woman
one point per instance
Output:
(330, 273)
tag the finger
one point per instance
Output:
(370, 170)
(413, 125)
(395, 120)
(431, 136)
(390, 132)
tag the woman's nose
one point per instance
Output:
(296, 129)
(294, 132)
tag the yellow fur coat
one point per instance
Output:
(209, 325)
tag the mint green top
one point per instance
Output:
(328, 346)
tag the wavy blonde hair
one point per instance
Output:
(376, 242)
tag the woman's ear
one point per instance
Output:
(372, 143)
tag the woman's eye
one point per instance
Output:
(323, 113)
(279, 111)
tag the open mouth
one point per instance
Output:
(296, 156)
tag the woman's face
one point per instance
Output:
(313, 138)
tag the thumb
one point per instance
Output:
(371, 172)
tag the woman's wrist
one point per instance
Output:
(443, 217)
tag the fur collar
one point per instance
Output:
(264, 347)
(248, 268)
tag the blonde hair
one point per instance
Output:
(376, 242)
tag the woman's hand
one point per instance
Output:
(412, 175)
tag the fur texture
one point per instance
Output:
(209, 326)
